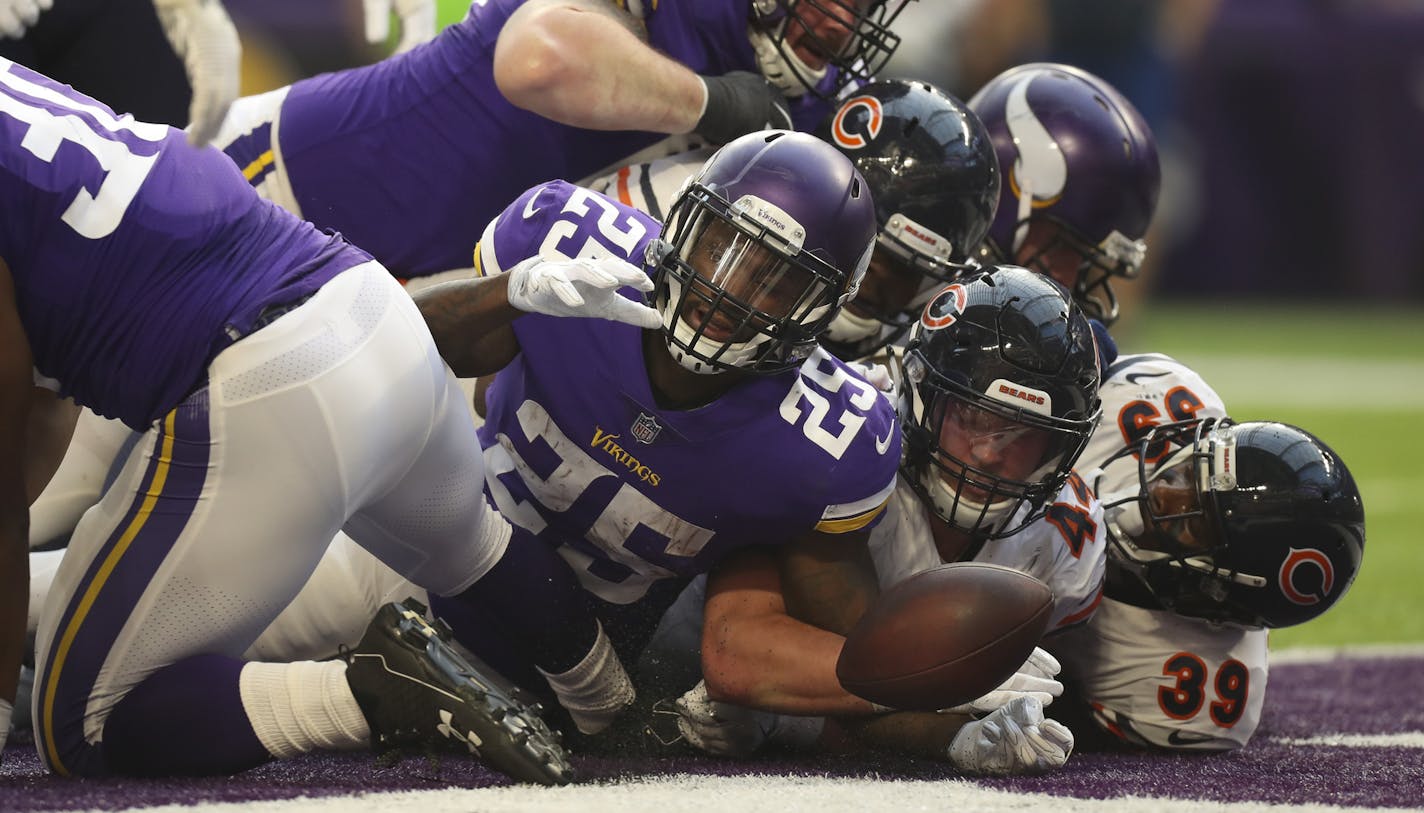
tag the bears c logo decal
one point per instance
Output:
(857, 122)
(945, 307)
(1291, 569)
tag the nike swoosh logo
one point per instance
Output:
(1132, 378)
(1185, 738)
(882, 445)
(529, 207)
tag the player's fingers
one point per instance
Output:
(634, 313)
(10, 25)
(1043, 663)
(417, 27)
(567, 292)
(1039, 685)
(1042, 697)
(1058, 734)
(593, 273)
(378, 20)
(625, 273)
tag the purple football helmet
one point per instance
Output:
(852, 36)
(759, 252)
(1076, 154)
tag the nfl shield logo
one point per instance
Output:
(646, 428)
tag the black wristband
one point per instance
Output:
(738, 103)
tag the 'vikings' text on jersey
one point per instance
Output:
(579, 451)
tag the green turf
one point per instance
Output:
(451, 11)
(1381, 445)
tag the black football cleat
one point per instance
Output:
(415, 688)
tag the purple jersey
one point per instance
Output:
(135, 257)
(578, 451)
(412, 156)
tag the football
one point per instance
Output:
(945, 636)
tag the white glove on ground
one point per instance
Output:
(417, 21)
(16, 16)
(728, 730)
(1037, 678)
(582, 287)
(203, 36)
(1015, 739)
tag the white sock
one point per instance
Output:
(595, 691)
(303, 706)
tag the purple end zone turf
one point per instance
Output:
(1369, 696)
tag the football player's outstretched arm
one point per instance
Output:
(469, 318)
(586, 63)
(754, 653)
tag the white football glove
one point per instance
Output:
(417, 20)
(876, 375)
(16, 16)
(728, 730)
(1037, 678)
(581, 287)
(1014, 739)
(203, 36)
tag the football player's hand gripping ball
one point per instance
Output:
(203, 36)
(582, 287)
(1014, 739)
(1037, 678)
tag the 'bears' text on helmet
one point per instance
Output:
(999, 393)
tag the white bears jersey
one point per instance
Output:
(1155, 678)
(1152, 677)
(1139, 392)
(1064, 549)
(651, 186)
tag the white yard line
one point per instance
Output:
(1313, 654)
(698, 794)
(1412, 739)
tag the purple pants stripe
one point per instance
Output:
(117, 578)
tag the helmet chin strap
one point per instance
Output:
(1125, 518)
(964, 513)
(781, 66)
